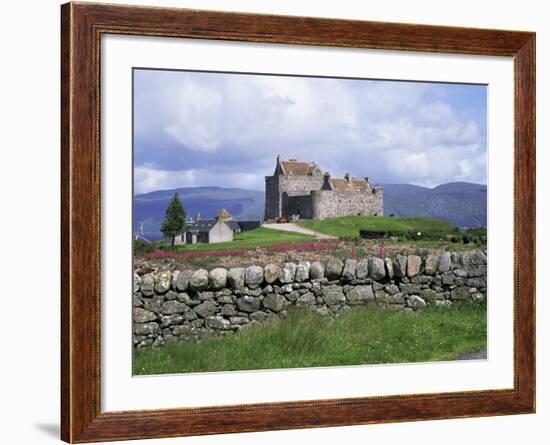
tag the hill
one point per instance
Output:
(460, 203)
(349, 226)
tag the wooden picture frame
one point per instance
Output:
(82, 26)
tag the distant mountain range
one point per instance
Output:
(460, 203)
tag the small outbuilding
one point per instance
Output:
(216, 230)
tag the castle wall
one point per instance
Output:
(276, 186)
(272, 197)
(302, 195)
(298, 205)
(332, 204)
(300, 185)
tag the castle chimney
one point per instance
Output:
(293, 158)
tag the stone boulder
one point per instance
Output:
(431, 295)
(163, 281)
(389, 267)
(182, 280)
(416, 302)
(306, 299)
(199, 280)
(288, 273)
(205, 309)
(218, 323)
(148, 284)
(235, 277)
(333, 295)
(413, 265)
(228, 310)
(173, 307)
(362, 269)
(377, 268)
(448, 278)
(143, 316)
(170, 320)
(333, 269)
(271, 273)
(350, 267)
(431, 264)
(316, 270)
(400, 266)
(274, 302)
(360, 295)
(248, 303)
(460, 293)
(477, 258)
(302, 271)
(137, 282)
(217, 279)
(384, 297)
(254, 276)
(444, 262)
(146, 328)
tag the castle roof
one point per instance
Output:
(293, 167)
(353, 185)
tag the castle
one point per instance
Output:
(301, 188)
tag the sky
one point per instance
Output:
(224, 129)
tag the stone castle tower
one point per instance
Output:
(301, 188)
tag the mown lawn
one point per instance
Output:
(349, 226)
(365, 335)
(260, 237)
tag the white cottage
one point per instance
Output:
(218, 230)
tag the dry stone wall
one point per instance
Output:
(171, 306)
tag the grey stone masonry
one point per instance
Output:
(182, 306)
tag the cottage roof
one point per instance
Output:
(205, 225)
(233, 225)
(224, 214)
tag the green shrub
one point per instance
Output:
(141, 246)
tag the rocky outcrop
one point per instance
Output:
(190, 305)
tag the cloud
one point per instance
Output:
(152, 178)
(227, 129)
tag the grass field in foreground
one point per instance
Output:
(349, 226)
(364, 335)
(260, 237)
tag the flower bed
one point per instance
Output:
(282, 247)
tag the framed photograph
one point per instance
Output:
(275, 222)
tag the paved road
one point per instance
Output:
(479, 355)
(290, 227)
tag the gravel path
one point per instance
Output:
(290, 227)
(479, 355)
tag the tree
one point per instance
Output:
(174, 219)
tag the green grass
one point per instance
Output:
(349, 226)
(260, 237)
(365, 335)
